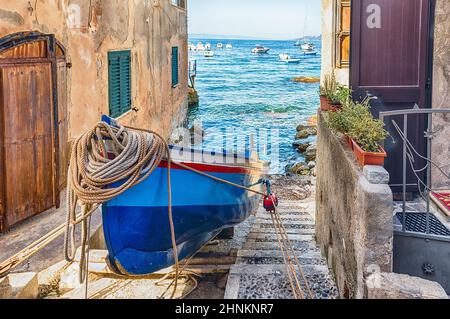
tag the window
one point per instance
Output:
(179, 3)
(175, 80)
(342, 33)
(119, 67)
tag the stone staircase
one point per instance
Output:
(260, 273)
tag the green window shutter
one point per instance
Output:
(119, 66)
(175, 69)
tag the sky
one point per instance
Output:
(262, 19)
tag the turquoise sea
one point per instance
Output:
(245, 92)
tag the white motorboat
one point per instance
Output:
(288, 59)
(209, 54)
(229, 46)
(200, 47)
(309, 53)
(298, 43)
(307, 46)
(259, 49)
(220, 45)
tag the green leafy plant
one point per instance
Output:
(342, 95)
(356, 121)
(343, 119)
(328, 89)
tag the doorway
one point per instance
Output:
(33, 125)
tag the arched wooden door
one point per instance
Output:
(33, 126)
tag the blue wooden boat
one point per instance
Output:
(136, 224)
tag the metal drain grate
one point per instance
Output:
(417, 222)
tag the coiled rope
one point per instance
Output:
(136, 154)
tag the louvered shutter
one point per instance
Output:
(174, 66)
(119, 82)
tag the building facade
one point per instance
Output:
(399, 51)
(63, 64)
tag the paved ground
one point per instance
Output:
(24, 234)
(259, 272)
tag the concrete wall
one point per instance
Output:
(342, 75)
(441, 92)
(353, 215)
(88, 30)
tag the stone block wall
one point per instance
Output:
(441, 93)
(354, 212)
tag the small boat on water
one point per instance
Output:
(298, 43)
(208, 46)
(259, 49)
(209, 54)
(229, 46)
(200, 47)
(288, 59)
(307, 46)
(192, 47)
(220, 45)
(309, 53)
(136, 223)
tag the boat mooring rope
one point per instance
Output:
(137, 153)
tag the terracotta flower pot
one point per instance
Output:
(349, 141)
(335, 107)
(368, 158)
(324, 103)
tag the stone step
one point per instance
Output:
(300, 247)
(289, 231)
(24, 285)
(272, 237)
(113, 288)
(313, 253)
(269, 269)
(268, 222)
(5, 288)
(285, 218)
(304, 261)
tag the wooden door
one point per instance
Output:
(390, 60)
(27, 139)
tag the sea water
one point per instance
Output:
(244, 94)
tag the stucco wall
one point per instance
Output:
(342, 75)
(441, 92)
(148, 28)
(353, 216)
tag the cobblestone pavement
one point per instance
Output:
(260, 273)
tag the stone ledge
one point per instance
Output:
(376, 174)
(398, 286)
(353, 213)
(5, 288)
(24, 285)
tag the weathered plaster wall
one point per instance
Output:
(353, 216)
(441, 92)
(342, 75)
(88, 30)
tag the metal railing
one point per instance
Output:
(410, 153)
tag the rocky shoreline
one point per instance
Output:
(305, 144)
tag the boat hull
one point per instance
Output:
(136, 224)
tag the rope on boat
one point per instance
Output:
(92, 174)
(138, 153)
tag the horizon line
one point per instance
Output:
(245, 37)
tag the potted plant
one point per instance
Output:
(341, 96)
(327, 90)
(366, 135)
(342, 120)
